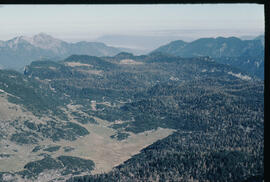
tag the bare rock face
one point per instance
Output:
(20, 51)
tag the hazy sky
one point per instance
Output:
(86, 22)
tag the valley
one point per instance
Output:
(128, 117)
(122, 92)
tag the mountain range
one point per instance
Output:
(247, 55)
(214, 47)
(20, 51)
(244, 54)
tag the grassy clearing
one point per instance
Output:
(98, 146)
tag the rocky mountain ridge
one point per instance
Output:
(22, 50)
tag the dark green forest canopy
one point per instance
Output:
(216, 110)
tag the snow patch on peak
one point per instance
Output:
(239, 75)
(40, 40)
(13, 43)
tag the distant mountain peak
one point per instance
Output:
(13, 43)
(45, 41)
(25, 49)
(40, 40)
(44, 37)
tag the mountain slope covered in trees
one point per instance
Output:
(219, 135)
(63, 119)
(247, 55)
